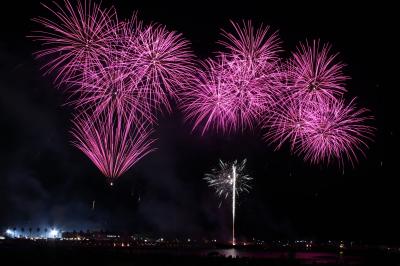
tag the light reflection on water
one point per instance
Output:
(306, 257)
(235, 253)
(316, 257)
(231, 252)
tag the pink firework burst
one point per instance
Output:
(287, 122)
(125, 45)
(161, 58)
(77, 39)
(336, 131)
(111, 87)
(255, 45)
(321, 131)
(207, 102)
(313, 73)
(112, 142)
(236, 88)
(254, 73)
(251, 73)
(252, 89)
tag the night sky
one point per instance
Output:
(45, 181)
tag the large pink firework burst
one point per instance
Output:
(311, 115)
(322, 132)
(118, 74)
(252, 89)
(125, 45)
(111, 141)
(207, 102)
(162, 59)
(287, 122)
(253, 73)
(254, 45)
(336, 132)
(313, 73)
(77, 39)
(238, 86)
(111, 87)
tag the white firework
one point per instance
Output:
(230, 180)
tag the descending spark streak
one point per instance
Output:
(112, 141)
(230, 180)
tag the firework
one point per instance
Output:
(287, 122)
(251, 88)
(322, 131)
(232, 91)
(207, 101)
(118, 74)
(253, 74)
(162, 59)
(229, 95)
(77, 39)
(230, 180)
(111, 87)
(311, 114)
(336, 131)
(313, 73)
(250, 44)
(112, 141)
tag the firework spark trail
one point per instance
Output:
(112, 142)
(230, 180)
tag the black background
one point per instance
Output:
(44, 181)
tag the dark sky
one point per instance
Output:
(44, 181)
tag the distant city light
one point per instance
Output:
(53, 233)
(9, 232)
